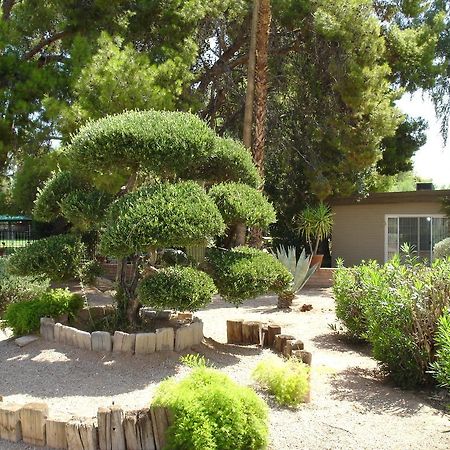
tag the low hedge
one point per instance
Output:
(24, 317)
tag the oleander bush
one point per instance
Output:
(244, 272)
(212, 412)
(179, 288)
(441, 366)
(287, 380)
(24, 317)
(442, 249)
(14, 289)
(56, 257)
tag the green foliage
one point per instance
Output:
(161, 215)
(441, 367)
(179, 288)
(316, 223)
(212, 412)
(24, 317)
(194, 360)
(287, 380)
(442, 249)
(56, 257)
(14, 289)
(243, 273)
(240, 203)
(396, 307)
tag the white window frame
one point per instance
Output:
(397, 216)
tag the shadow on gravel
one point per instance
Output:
(374, 393)
(222, 355)
(341, 343)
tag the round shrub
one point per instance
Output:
(24, 317)
(166, 143)
(179, 288)
(212, 412)
(243, 273)
(57, 257)
(442, 249)
(162, 215)
(239, 203)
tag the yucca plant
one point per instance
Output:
(300, 270)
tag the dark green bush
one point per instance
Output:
(240, 203)
(243, 273)
(14, 289)
(442, 249)
(24, 317)
(180, 288)
(161, 215)
(211, 412)
(56, 257)
(441, 367)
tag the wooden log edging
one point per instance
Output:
(112, 429)
(164, 339)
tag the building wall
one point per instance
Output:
(359, 229)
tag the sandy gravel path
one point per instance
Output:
(353, 406)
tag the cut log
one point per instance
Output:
(104, 428)
(234, 331)
(264, 336)
(138, 430)
(47, 328)
(83, 340)
(280, 342)
(117, 432)
(160, 424)
(81, 435)
(184, 338)
(272, 331)
(165, 338)
(55, 430)
(124, 342)
(10, 427)
(197, 327)
(251, 332)
(291, 345)
(101, 341)
(33, 417)
(145, 343)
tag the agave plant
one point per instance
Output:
(300, 270)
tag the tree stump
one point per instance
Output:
(56, 433)
(160, 424)
(10, 427)
(251, 332)
(104, 428)
(272, 331)
(81, 435)
(292, 345)
(117, 432)
(165, 339)
(264, 336)
(139, 431)
(280, 342)
(145, 343)
(234, 331)
(124, 342)
(32, 418)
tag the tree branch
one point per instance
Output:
(45, 42)
(7, 6)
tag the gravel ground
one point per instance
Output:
(353, 406)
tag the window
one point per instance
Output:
(420, 232)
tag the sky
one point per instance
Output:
(433, 159)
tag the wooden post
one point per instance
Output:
(10, 427)
(139, 431)
(81, 435)
(56, 433)
(264, 336)
(184, 338)
(104, 428)
(32, 418)
(160, 424)
(117, 433)
(251, 332)
(165, 339)
(101, 341)
(291, 345)
(272, 331)
(280, 342)
(124, 342)
(234, 331)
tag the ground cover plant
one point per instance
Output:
(212, 412)
(24, 317)
(441, 367)
(396, 308)
(287, 380)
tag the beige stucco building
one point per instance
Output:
(376, 227)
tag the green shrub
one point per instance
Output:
(179, 288)
(211, 412)
(442, 249)
(14, 289)
(287, 380)
(57, 257)
(240, 203)
(24, 317)
(441, 367)
(161, 215)
(243, 273)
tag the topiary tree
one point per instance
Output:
(171, 200)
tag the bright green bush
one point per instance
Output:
(179, 288)
(287, 380)
(14, 289)
(243, 273)
(56, 257)
(211, 412)
(442, 249)
(240, 203)
(441, 367)
(24, 317)
(161, 215)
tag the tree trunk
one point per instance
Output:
(249, 98)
